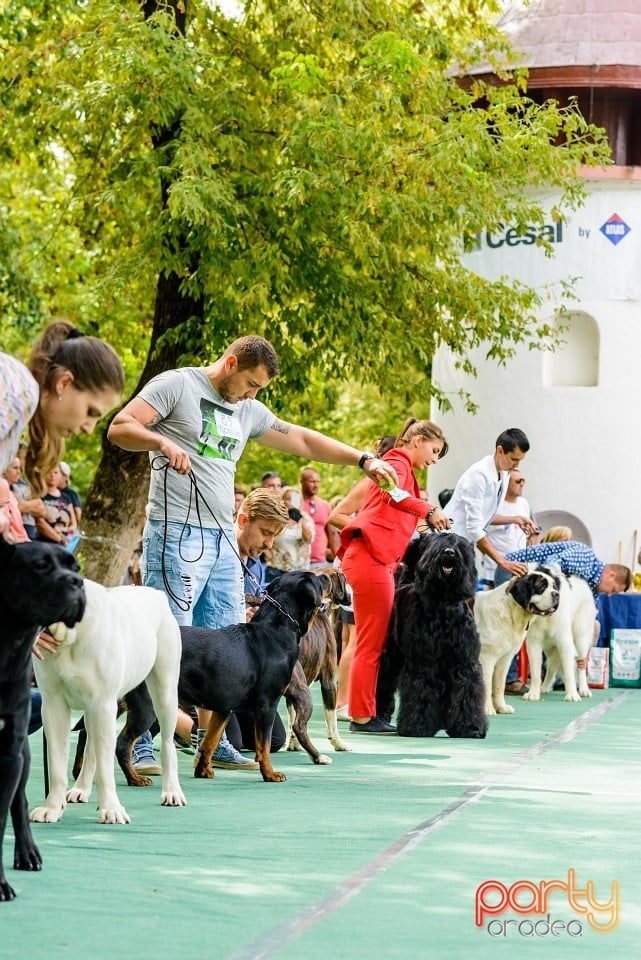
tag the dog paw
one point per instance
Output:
(504, 708)
(27, 857)
(113, 815)
(46, 814)
(293, 744)
(6, 892)
(339, 745)
(173, 798)
(532, 695)
(274, 777)
(586, 692)
(76, 795)
(572, 698)
(202, 772)
(490, 711)
(321, 759)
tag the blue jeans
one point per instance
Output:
(209, 588)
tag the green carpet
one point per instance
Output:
(378, 855)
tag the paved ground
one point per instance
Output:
(380, 855)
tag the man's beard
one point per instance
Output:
(224, 391)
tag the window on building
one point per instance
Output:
(575, 363)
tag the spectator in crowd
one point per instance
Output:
(556, 534)
(271, 481)
(68, 491)
(239, 495)
(30, 507)
(507, 530)
(325, 542)
(291, 549)
(59, 522)
(14, 530)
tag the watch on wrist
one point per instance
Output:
(364, 456)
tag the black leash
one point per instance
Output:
(194, 493)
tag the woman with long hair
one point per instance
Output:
(70, 382)
(372, 546)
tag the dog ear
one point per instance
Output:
(521, 590)
(326, 585)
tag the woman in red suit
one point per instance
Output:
(372, 546)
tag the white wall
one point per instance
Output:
(585, 454)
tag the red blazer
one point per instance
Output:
(385, 525)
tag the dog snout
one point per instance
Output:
(448, 554)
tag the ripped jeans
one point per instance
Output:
(210, 589)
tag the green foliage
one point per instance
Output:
(310, 169)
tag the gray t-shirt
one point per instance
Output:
(214, 434)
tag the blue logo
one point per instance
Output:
(615, 229)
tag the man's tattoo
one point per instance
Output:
(154, 420)
(280, 426)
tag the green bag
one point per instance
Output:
(625, 658)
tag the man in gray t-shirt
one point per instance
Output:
(212, 431)
(199, 420)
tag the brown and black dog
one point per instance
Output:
(40, 584)
(248, 665)
(317, 660)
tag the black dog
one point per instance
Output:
(248, 665)
(440, 682)
(392, 658)
(39, 585)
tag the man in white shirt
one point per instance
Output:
(479, 492)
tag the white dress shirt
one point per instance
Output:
(476, 499)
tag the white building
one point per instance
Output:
(577, 405)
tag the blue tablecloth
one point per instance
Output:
(621, 610)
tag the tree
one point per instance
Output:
(307, 171)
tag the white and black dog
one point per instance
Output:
(502, 616)
(39, 582)
(128, 639)
(565, 637)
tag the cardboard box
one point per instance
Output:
(598, 667)
(625, 658)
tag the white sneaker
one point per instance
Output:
(342, 714)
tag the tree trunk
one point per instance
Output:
(115, 508)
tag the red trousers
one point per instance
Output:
(372, 584)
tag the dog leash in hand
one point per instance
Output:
(182, 602)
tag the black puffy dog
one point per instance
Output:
(440, 683)
(39, 584)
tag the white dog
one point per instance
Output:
(127, 635)
(565, 637)
(502, 617)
